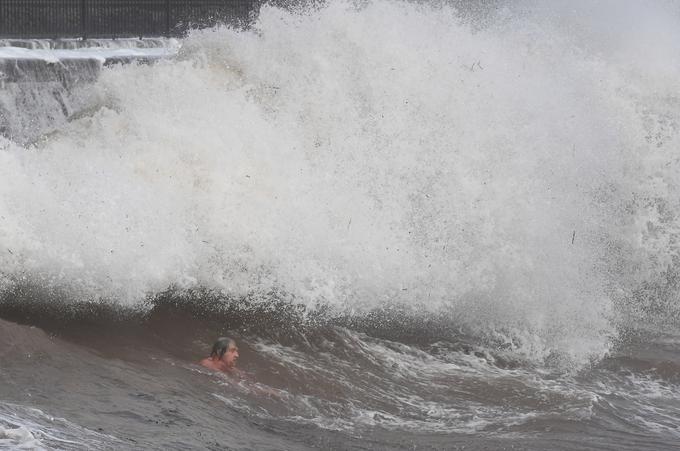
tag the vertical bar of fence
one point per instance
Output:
(83, 18)
(167, 18)
(25, 22)
(143, 14)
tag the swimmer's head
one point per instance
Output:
(225, 349)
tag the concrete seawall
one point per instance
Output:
(72, 60)
(48, 79)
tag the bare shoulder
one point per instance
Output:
(208, 363)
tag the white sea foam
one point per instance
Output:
(404, 388)
(644, 402)
(513, 171)
(18, 438)
(24, 427)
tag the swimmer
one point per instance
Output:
(223, 356)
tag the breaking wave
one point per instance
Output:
(509, 172)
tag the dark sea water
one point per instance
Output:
(427, 225)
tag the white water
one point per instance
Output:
(520, 172)
(31, 429)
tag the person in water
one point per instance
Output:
(223, 356)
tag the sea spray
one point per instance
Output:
(362, 156)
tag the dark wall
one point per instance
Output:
(116, 18)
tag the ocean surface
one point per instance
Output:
(428, 225)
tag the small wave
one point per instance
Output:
(274, 315)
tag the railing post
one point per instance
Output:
(167, 18)
(83, 18)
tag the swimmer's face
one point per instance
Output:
(231, 355)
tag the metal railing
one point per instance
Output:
(116, 18)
